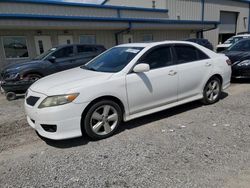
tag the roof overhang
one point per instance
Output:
(22, 21)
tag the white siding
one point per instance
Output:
(161, 4)
(42, 9)
(212, 12)
(185, 9)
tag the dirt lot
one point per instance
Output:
(188, 146)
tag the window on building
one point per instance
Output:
(147, 38)
(87, 39)
(15, 47)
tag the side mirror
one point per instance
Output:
(52, 59)
(142, 67)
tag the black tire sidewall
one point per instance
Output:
(205, 99)
(86, 123)
(10, 96)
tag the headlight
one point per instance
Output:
(58, 100)
(11, 76)
(244, 63)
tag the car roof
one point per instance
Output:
(65, 45)
(151, 44)
(242, 35)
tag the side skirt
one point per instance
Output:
(161, 108)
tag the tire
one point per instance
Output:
(102, 119)
(212, 91)
(10, 96)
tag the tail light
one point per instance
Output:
(229, 62)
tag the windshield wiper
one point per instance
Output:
(88, 68)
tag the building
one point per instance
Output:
(30, 27)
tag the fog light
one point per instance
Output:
(49, 128)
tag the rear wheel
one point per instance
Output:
(102, 119)
(212, 91)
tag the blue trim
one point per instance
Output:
(202, 10)
(53, 2)
(104, 19)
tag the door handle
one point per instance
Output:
(172, 73)
(208, 64)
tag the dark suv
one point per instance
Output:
(16, 78)
(54, 60)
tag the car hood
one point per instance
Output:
(73, 80)
(235, 56)
(19, 66)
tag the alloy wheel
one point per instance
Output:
(104, 120)
(213, 90)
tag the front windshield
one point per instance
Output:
(243, 45)
(233, 40)
(45, 54)
(114, 60)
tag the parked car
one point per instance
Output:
(239, 54)
(231, 41)
(125, 82)
(18, 77)
(202, 42)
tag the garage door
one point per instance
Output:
(228, 22)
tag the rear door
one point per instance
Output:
(194, 69)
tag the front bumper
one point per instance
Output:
(240, 72)
(67, 118)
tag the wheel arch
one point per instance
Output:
(106, 97)
(214, 75)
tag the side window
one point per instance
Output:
(187, 54)
(160, 57)
(83, 49)
(64, 52)
(201, 55)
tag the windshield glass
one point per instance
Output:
(243, 45)
(114, 60)
(233, 40)
(45, 54)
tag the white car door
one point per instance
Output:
(194, 69)
(156, 87)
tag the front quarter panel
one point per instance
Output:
(114, 87)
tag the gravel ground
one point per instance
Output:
(187, 146)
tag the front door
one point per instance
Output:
(65, 39)
(155, 88)
(43, 43)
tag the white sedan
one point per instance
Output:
(123, 83)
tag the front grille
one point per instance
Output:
(31, 100)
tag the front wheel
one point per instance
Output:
(212, 91)
(102, 119)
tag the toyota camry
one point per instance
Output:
(125, 82)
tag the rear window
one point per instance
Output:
(187, 54)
